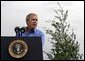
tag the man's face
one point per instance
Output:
(32, 22)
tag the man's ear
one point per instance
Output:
(26, 22)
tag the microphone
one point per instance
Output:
(22, 30)
(17, 31)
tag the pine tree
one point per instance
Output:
(65, 46)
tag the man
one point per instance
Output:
(32, 21)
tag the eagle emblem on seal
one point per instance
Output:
(18, 48)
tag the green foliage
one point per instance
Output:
(66, 47)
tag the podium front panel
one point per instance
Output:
(34, 51)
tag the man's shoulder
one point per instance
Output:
(39, 31)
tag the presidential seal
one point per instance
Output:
(18, 48)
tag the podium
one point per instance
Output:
(21, 48)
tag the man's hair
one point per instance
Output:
(28, 16)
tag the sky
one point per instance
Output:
(13, 14)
